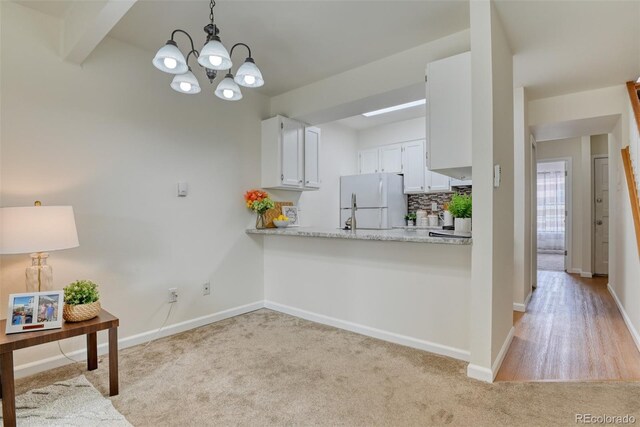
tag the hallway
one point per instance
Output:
(572, 331)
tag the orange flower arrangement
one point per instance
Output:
(258, 201)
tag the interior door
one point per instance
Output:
(291, 153)
(368, 161)
(601, 215)
(312, 157)
(391, 158)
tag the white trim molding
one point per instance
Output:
(522, 307)
(488, 375)
(393, 337)
(57, 361)
(632, 330)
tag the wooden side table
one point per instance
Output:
(90, 328)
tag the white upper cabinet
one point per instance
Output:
(368, 161)
(312, 157)
(413, 160)
(438, 182)
(391, 158)
(290, 155)
(448, 86)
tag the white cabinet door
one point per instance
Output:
(291, 153)
(438, 182)
(414, 167)
(391, 158)
(312, 157)
(368, 161)
(449, 116)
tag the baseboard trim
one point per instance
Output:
(407, 341)
(586, 274)
(488, 375)
(522, 307)
(81, 355)
(632, 330)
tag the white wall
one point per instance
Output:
(338, 157)
(572, 149)
(112, 139)
(493, 132)
(412, 293)
(522, 259)
(406, 130)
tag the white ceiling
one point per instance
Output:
(299, 42)
(559, 46)
(361, 122)
(569, 46)
(574, 128)
(57, 8)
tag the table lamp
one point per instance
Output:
(37, 229)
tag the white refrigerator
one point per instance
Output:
(380, 199)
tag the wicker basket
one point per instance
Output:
(81, 312)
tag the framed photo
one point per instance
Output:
(292, 213)
(34, 311)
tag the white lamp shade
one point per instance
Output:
(249, 75)
(170, 60)
(228, 89)
(37, 229)
(185, 83)
(214, 48)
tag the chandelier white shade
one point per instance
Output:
(37, 229)
(249, 75)
(185, 83)
(215, 56)
(170, 60)
(228, 89)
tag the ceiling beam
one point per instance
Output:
(87, 23)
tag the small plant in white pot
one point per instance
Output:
(460, 208)
(81, 301)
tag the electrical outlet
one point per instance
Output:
(206, 288)
(173, 295)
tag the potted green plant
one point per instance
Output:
(460, 207)
(81, 301)
(410, 218)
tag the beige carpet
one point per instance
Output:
(267, 368)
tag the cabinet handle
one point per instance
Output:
(282, 177)
(307, 182)
(300, 182)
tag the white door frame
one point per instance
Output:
(568, 201)
(593, 207)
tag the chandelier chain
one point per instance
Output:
(212, 4)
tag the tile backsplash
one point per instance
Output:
(423, 201)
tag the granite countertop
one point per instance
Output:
(394, 235)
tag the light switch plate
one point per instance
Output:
(183, 189)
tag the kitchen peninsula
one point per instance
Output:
(414, 235)
(400, 286)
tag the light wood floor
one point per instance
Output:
(572, 331)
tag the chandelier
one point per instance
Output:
(213, 57)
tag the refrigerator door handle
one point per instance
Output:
(380, 191)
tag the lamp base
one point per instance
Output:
(39, 275)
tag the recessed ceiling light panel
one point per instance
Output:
(395, 108)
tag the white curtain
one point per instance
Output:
(551, 211)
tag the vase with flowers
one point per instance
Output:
(259, 202)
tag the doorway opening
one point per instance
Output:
(552, 213)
